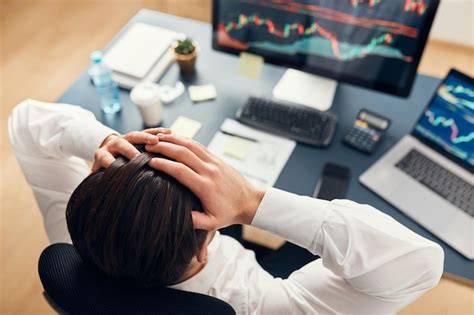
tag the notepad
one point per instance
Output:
(250, 65)
(237, 147)
(199, 93)
(185, 127)
(135, 53)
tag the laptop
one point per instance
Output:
(428, 174)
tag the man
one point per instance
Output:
(370, 264)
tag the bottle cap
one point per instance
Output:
(96, 56)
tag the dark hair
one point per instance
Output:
(134, 223)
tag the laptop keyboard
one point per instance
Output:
(435, 177)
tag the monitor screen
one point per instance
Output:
(448, 120)
(372, 43)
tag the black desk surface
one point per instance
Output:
(302, 170)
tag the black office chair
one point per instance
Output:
(72, 288)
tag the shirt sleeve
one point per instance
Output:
(52, 143)
(370, 264)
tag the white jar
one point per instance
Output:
(147, 97)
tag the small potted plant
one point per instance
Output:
(186, 52)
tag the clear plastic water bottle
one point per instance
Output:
(105, 85)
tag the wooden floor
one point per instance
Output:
(44, 45)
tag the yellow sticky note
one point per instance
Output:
(250, 65)
(237, 147)
(185, 127)
(199, 93)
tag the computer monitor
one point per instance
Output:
(447, 123)
(375, 44)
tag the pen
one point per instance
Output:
(238, 136)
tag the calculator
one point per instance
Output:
(367, 131)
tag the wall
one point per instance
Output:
(454, 22)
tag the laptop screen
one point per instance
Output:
(447, 123)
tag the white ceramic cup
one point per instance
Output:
(147, 97)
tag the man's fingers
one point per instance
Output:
(125, 148)
(137, 137)
(181, 172)
(155, 131)
(178, 153)
(202, 221)
(102, 158)
(95, 166)
(192, 145)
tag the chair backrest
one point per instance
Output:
(77, 289)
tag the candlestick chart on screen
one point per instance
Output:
(449, 120)
(364, 37)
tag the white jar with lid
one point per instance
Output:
(147, 97)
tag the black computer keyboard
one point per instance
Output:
(435, 177)
(300, 123)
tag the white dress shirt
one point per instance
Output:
(370, 264)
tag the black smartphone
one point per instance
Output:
(333, 182)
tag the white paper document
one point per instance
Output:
(257, 155)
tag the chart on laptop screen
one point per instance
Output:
(449, 119)
(365, 38)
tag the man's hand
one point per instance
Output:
(226, 196)
(115, 145)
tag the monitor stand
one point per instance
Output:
(306, 89)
